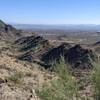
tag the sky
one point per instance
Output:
(50, 11)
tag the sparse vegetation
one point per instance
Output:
(16, 78)
(19, 78)
(62, 88)
(96, 80)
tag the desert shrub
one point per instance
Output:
(62, 88)
(96, 80)
(15, 78)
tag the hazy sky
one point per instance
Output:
(50, 11)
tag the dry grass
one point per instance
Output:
(20, 75)
(16, 78)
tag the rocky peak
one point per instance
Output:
(8, 32)
(2, 24)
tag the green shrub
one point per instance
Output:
(62, 88)
(96, 80)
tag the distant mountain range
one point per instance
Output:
(87, 27)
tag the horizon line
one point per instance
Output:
(15, 23)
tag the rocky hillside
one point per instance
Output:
(56, 53)
(76, 55)
(23, 62)
(96, 47)
(19, 79)
(32, 47)
(8, 32)
(35, 47)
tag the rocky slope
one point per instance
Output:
(8, 32)
(76, 55)
(32, 47)
(19, 79)
(96, 47)
(37, 48)
(56, 53)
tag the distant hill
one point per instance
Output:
(86, 27)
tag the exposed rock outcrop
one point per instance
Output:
(76, 56)
(33, 47)
(80, 57)
(56, 53)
